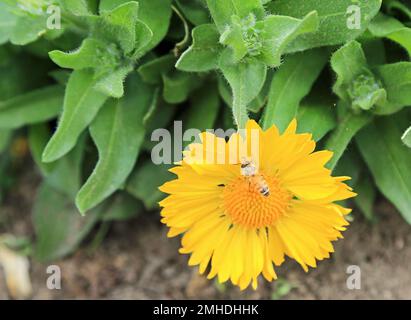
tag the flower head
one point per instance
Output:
(241, 209)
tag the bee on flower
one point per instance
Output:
(238, 219)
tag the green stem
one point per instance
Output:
(180, 46)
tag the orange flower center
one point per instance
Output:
(245, 202)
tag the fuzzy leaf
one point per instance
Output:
(356, 84)
(246, 80)
(222, 11)
(118, 132)
(92, 53)
(290, 84)
(112, 84)
(255, 105)
(333, 19)
(81, 104)
(204, 53)
(121, 23)
(279, 31)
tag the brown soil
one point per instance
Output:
(137, 261)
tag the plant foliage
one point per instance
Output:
(88, 94)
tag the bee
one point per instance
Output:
(249, 170)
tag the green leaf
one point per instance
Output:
(241, 36)
(145, 181)
(391, 28)
(246, 80)
(317, 117)
(388, 159)
(33, 107)
(261, 99)
(348, 62)
(58, 226)
(28, 29)
(356, 84)
(156, 14)
(204, 53)
(406, 137)
(104, 58)
(266, 39)
(333, 18)
(92, 53)
(279, 31)
(348, 126)
(222, 11)
(81, 104)
(396, 78)
(143, 38)
(255, 105)
(290, 84)
(121, 23)
(113, 84)
(118, 132)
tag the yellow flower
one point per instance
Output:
(238, 226)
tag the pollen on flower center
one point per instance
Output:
(244, 203)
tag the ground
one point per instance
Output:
(137, 261)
